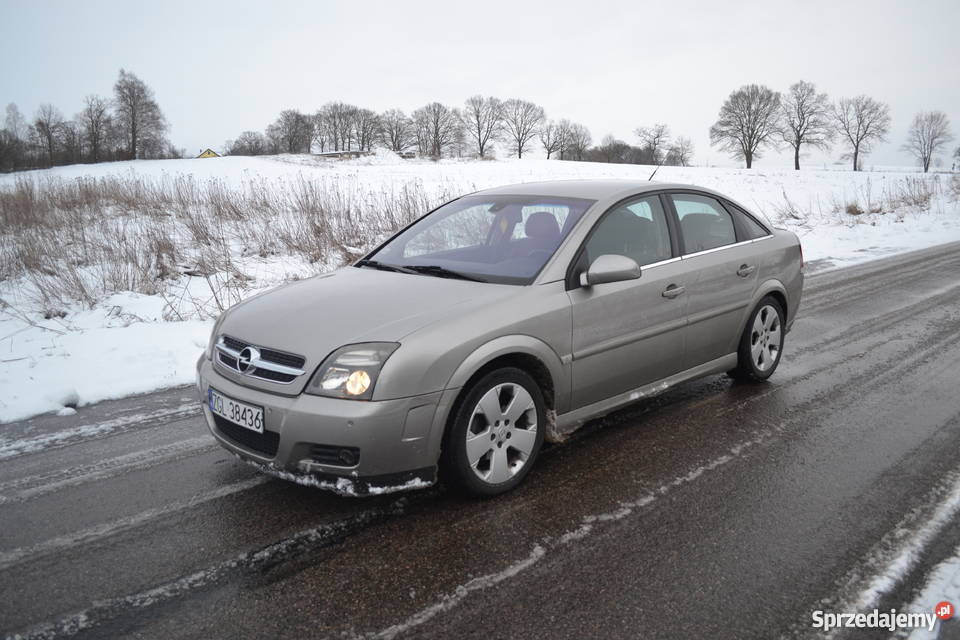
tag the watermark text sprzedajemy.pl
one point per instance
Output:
(891, 620)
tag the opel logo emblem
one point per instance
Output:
(246, 359)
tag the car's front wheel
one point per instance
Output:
(496, 433)
(761, 344)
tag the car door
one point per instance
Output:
(722, 268)
(627, 334)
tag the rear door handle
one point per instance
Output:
(745, 270)
(673, 291)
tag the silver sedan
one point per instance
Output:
(499, 320)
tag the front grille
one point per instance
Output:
(268, 358)
(227, 360)
(329, 454)
(276, 376)
(265, 443)
(286, 359)
(233, 343)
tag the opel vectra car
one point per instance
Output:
(499, 320)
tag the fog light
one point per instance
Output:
(347, 457)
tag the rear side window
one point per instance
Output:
(754, 229)
(636, 229)
(705, 224)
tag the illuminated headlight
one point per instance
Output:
(351, 371)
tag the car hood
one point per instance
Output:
(315, 316)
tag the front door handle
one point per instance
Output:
(673, 291)
(745, 270)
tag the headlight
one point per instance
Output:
(351, 371)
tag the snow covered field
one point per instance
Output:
(100, 341)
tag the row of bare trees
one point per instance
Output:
(755, 118)
(437, 130)
(656, 148)
(130, 125)
(434, 130)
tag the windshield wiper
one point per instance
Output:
(442, 272)
(383, 266)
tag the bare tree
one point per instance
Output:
(521, 120)
(365, 125)
(551, 137)
(680, 152)
(611, 149)
(396, 130)
(654, 141)
(563, 132)
(862, 121)
(578, 141)
(929, 132)
(747, 122)
(437, 127)
(139, 115)
(248, 143)
(483, 119)
(94, 123)
(15, 132)
(71, 141)
(294, 131)
(806, 118)
(47, 125)
(338, 119)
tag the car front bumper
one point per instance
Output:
(393, 436)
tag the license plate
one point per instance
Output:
(240, 413)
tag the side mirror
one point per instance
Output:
(610, 268)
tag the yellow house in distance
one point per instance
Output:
(208, 153)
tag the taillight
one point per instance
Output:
(801, 256)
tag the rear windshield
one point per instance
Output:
(499, 238)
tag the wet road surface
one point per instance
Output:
(716, 510)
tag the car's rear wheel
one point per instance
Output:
(496, 433)
(761, 344)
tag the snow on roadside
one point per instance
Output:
(110, 352)
(942, 585)
(125, 345)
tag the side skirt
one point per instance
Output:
(569, 422)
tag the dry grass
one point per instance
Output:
(80, 240)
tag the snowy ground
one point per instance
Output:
(126, 342)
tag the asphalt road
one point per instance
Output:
(716, 510)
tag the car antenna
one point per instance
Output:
(659, 164)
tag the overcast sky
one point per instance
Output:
(219, 68)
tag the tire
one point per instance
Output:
(487, 456)
(761, 344)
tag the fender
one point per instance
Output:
(488, 352)
(766, 287)
(506, 345)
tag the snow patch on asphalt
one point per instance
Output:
(98, 532)
(942, 584)
(270, 555)
(29, 487)
(590, 525)
(895, 556)
(908, 541)
(11, 448)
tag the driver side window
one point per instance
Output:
(636, 229)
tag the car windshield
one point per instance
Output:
(492, 238)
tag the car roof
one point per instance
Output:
(589, 189)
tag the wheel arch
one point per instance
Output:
(524, 352)
(773, 288)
